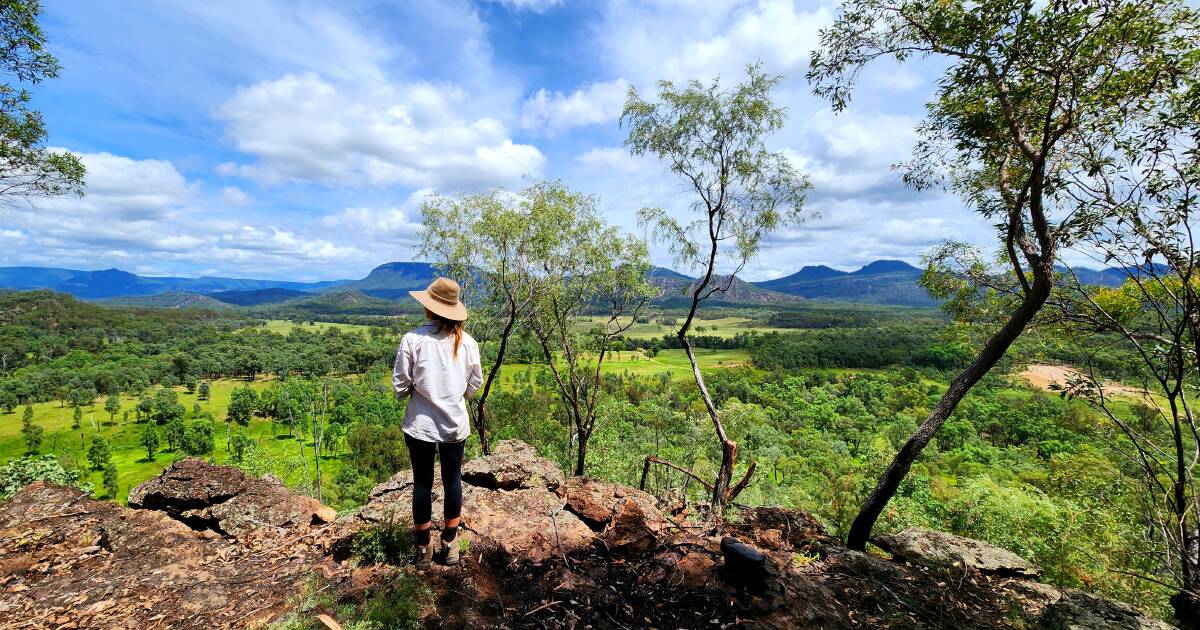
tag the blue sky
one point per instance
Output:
(296, 140)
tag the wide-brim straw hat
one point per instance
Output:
(441, 297)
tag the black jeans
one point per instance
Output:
(421, 453)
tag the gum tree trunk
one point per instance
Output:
(993, 351)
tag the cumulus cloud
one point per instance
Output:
(146, 216)
(399, 225)
(554, 112)
(301, 127)
(679, 41)
(234, 196)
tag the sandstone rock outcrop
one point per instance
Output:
(226, 500)
(544, 551)
(939, 549)
(513, 464)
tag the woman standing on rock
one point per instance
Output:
(437, 368)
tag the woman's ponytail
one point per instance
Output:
(452, 326)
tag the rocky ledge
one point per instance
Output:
(207, 546)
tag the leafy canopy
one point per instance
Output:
(27, 167)
(715, 139)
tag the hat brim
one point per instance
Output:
(456, 312)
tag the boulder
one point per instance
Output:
(1077, 610)
(529, 524)
(513, 464)
(226, 500)
(939, 549)
(597, 502)
(508, 506)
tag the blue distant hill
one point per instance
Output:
(880, 282)
(107, 283)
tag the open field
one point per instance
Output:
(125, 438)
(721, 327)
(640, 363)
(283, 326)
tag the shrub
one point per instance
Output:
(22, 471)
(388, 542)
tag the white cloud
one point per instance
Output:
(400, 225)
(647, 41)
(124, 188)
(554, 112)
(301, 127)
(234, 196)
(536, 6)
(144, 215)
(611, 158)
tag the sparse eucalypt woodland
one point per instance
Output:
(1031, 95)
(714, 139)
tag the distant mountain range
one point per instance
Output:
(108, 283)
(891, 282)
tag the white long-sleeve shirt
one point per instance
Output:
(436, 383)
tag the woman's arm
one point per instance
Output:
(402, 372)
(475, 371)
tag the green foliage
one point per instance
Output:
(239, 445)
(395, 604)
(22, 471)
(150, 441)
(242, 405)
(99, 454)
(110, 480)
(30, 169)
(172, 434)
(715, 140)
(112, 404)
(31, 432)
(198, 438)
(390, 541)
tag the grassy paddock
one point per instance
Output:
(720, 327)
(125, 438)
(283, 326)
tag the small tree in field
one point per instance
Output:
(204, 390)
(583, 265)
(112, 405)
(31, 432)
(150, 440)
(1032, 95)
(99, 453)
(110, 481)
(242, 403)
(714, 140)
(484, 242)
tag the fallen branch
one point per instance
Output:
(542, 607)
(652, 459)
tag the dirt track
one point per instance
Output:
(1044, 375)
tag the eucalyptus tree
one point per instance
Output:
(484, 242)
(584, 266)
(1028, 90)
(715, 140)
(27, 167)
(1146, 192)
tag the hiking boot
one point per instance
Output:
(424, 554)
(448, 554)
